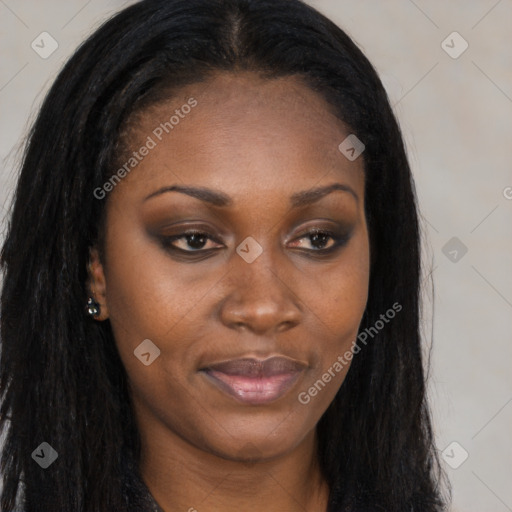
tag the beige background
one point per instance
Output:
(456, 115)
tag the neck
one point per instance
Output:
(182, 477)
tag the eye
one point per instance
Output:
(320, 240)
(189, 241)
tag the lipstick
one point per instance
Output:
(254, 381)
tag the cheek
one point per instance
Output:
(341, 317)
(150, 296)
(147, 301)
(340, 303)
(145, 292)
(341, 299)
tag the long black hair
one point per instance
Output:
(61, 378)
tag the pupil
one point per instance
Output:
(196, 241)
(319, 237)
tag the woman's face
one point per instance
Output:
(254, 283)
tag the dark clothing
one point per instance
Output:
(135, 492)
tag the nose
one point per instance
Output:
(259, 300)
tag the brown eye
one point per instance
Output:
(189, 241)
(321, 241)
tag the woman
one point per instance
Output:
(211, 292)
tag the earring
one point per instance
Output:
(92, 308)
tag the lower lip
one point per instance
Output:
(251, 390)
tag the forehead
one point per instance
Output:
(242, 130)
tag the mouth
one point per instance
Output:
(254, 381)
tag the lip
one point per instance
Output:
(255, 381)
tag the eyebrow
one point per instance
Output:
(217, 198)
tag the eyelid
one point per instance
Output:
(167, 239)
(340, 237)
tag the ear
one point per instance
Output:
(96, 283)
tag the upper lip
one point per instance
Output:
(252, 367)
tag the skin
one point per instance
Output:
(259, 142)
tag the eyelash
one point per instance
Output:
(339, 242)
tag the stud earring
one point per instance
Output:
(92, 308)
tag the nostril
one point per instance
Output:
(284, 326)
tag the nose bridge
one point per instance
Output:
(259, 299)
